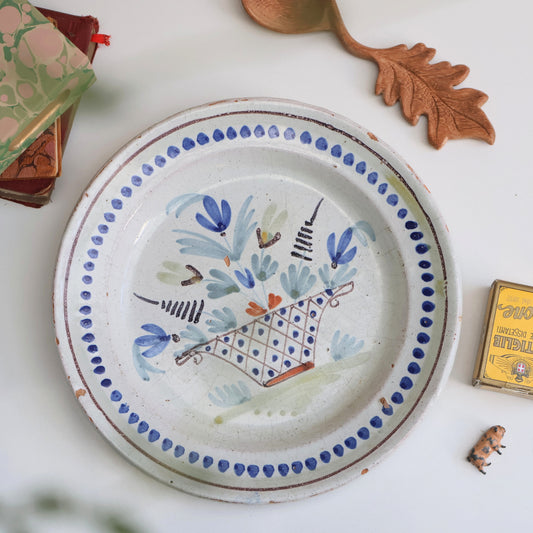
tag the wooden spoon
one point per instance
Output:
(404, 74)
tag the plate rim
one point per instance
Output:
(433, 385)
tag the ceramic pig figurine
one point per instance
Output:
(488, 443)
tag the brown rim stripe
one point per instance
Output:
(111, 178)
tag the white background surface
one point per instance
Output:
(167, 56)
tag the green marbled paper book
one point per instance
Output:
(41, 75)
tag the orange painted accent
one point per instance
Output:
(273, 300)
(227, 261)
(384, 403)
(290, 374)
(255, 310)
(80, 392)
(365, 471)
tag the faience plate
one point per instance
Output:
(255, 300)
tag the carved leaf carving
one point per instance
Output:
(406, 75)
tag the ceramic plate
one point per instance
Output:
(255, 300)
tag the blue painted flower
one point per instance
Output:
(158, 340)
(221, 285)
(296, 283)
(345, 347)
(143, 367)
(338, 253)
(335, 278)
(231, 395)
(223, 320)
(263, 268)
(193, 334)
(246, 279)
(202, 245)
(220, 217)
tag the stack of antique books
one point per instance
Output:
(45, 65)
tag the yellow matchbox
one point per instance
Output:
(505, 357)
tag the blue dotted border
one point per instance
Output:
(373, 179)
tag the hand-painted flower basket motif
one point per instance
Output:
(256, 300)
(280, 342)
(275, 347)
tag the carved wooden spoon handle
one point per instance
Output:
(406, 75)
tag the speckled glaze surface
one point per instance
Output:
(255, 300)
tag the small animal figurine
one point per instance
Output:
(488, 443)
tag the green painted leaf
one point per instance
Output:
(168, 278)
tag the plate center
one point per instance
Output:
(247, 302)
